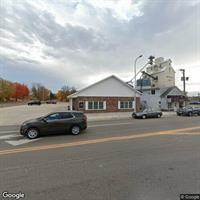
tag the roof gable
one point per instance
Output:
(172, 91)
(111, 86)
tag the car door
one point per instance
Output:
(151, 113)
(68, 120)
(54, 124)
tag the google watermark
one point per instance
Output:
(10, 195)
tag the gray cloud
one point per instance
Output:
(98, 42)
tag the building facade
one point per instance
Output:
(168, 99)
(157, 85)
(108, 95)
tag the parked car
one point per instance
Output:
(34, 102)
(55, 123)
(147, 113)
(51, 102)
(188, 111)
(195, 103)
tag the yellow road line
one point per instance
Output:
(94, 141)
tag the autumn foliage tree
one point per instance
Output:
(64, 92)
(6, 90)
(9, 90)
(21, 91)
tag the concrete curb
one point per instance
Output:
(117, 117)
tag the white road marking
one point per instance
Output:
(16, 131)
(7, 137)
(20, 141)
(97, 125)
(116, 124)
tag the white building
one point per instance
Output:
(158, 86)
(108, 95)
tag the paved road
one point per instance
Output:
(128, 159)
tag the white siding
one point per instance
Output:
(118, 104)
(133, 104)
(104, 105)
(70, 104)
(151, 100)
(110, 87)
(86, 105)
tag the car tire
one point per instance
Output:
(189, 114)
(32, 133)
(199, 113)
(158, 116)
(75, 130)
(144, 116)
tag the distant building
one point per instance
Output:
(157, 85)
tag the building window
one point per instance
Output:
(81, 105)
(100, 104)
(95, 105)
(130, 104)
(90, 105)
(153, 91)
(126, 105)
(121, 104)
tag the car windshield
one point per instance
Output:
(188, 107)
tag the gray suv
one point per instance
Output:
(55, 123)
(188, 111)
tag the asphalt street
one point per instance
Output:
(153, 159)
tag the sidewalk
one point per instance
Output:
(118, 115)
(15, 115)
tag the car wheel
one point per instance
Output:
(199, 113)
(158, 115)
(32, 133)
(144, 116)
(75, 130)
(189, 114)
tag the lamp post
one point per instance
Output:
(135, 73)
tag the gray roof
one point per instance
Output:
(167, 90)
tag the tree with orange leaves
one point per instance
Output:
(21, 91)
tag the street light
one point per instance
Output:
(135, 73)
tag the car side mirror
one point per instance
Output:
(44, 119)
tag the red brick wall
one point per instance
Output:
(111, 103)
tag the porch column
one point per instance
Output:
(71, 104)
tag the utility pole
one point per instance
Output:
(184, 79)
(135, 83)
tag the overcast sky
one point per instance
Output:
(78, 42)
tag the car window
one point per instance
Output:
(78, 114)
(66, 115)
(53, 116)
